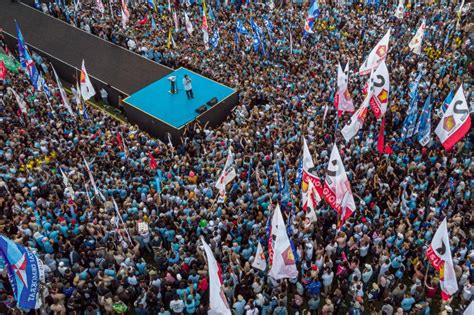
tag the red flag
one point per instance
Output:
(120, 142)
(153, 164)
(3, 70)
(381, 140)
(143, 21)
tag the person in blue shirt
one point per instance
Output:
(407, 302)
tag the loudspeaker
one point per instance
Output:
(212, 102)
(201, 109)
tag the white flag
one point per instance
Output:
(307, 159)
(87, 90)
(283, 259)
(228, 173)
(176, 21)
(439, 254)
(311, 198)
(217, 301)
(20, 101)
(415, 43)
(400, 9)
(337, 188)
(125, 13)
(470, 309)
(259, 262)
(379, 90)
(342, 100)
(188, 24)
(376, 56)
(67, 184)
(456, 121)
(100, 6)
(63, 93)
(356, 122)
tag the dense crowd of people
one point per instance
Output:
(150, 260)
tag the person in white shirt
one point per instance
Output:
(188, 86)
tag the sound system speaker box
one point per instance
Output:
(201, 109)
(212, 102)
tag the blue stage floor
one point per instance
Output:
(175, 109)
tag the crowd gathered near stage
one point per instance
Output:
(127, 224)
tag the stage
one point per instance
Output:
(155, 110)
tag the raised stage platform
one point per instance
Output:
(159, 112)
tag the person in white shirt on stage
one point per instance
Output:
(188, 86)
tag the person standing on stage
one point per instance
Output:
(188, 86)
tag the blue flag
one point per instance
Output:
(299, 174)
(280, 180)
(268, 25)
(25, 58)
(240, 28)
(313, 14)
(153, 24)
(25, 273)
(414, 86)
(285, 197)
(424, 123)
(215, 39)
(158, 180)
(447, 101)
(409, 123)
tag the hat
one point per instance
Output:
(356, 305)
(240, 297)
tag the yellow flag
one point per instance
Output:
(169, 39)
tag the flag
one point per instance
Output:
(25, 273)
(217, 300)
(215, 38)
(153, 24)
(153, 164)
(257, 35)
(168, 45)
(312, 15)
(337, 188)
(67, 184)
(228, 173)
(26, 60)
(125, 13)
(87, 90)
(439, 254)
(269, 25)
(121, 143)
(311, 198)
(151, 4)
(259, 261)
(342, 100)
(446, 102)
(456, 121)
(63, 94)
(240, 28)
(20, 101)
(205, 30)
(176, 21)
(100, 6)
(307, 177)
(91, 177)
(400, 9)
(279, 177)
(21, 46)
(3, 71)
(299, 173)
(376, 56)
(423, 128)
(414, 86)
(415, 43)
(381, 139)
(188, 24)
(158, 181)
(470, 309)
(380, 89)
(356, 122)
(283, 258)
(409, 123)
